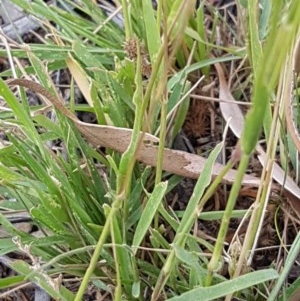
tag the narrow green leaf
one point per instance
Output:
(202, 183)
(122, 259)
(255, 46)
(152, 32)
(11, 281)
(148, 214)
(192, 261)
(178, 77)
(16, 106)
(227, 287)
(289, 262)
(43, 281)
(48, 219)
(181, 113)
(290, 292)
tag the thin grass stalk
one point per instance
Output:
(254, 42)
(290, 261)
(185, 10)
(162, 138)
(202, 47)
(186, 223)
(165, 272)
(124, 182)
(155, 73)
(153, 78)
(98, 248)
(127, 20)
(283, 93)
(264, 189)
(255, 221)
(177, 30)
(118, 287)
(161, 147)
(214, 185)
(163, 94)
(127, 161)
(213, 264)
(136, 277)
(159, 14)
(163, 120)
(62, 256)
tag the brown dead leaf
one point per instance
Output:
(118, 139)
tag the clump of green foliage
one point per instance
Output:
(102, 213)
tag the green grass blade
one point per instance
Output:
(255, 46)
(11, 281)
(148, 214)
(43, 281)
(188, 219)
(228, 287)
(289, 262)
(152, 32)
(193, 262)
(267, 74)
(196, 66)
(203, 181)
(22, 115)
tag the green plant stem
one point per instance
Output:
(162, 138)
(118, 287)
(127, 160)
(157, 65)
(127, 21)
(214, 185)
(213, 264)
(97, 251)
(163, 94)
(159, 14)
(164, 275)
(184, 228)
(153, 79)
(289, 262)
(283, 92)
(160, 155)
(203, 49)
(254, 42)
